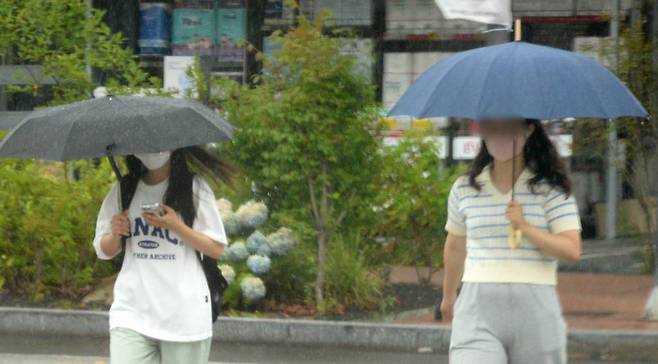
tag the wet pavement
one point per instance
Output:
(599, 301)
(75, 350)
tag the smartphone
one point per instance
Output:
(153, 208)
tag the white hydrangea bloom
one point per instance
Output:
(252, 214)
(225, 206)
(253, 288)
(257, 244)
(265, 250)
(228, 272)
(236, 252)
(231, 224)
(259, 264)
(282, 241)
(229, 218)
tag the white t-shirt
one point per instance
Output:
(161, 290)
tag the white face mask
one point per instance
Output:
(501, 147)
(154, 160)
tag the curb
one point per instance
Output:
(360, 335)
(47, 322)
(614, 345)
(583, 344)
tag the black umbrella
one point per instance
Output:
(121, 124)
(114, 125)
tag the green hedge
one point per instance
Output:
(47, 226)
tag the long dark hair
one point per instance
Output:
(540, 157)
(179, 191)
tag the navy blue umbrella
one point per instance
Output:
(518, 80)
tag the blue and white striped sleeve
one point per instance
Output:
(561, 212)
(456, 221)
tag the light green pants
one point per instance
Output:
(130, 347)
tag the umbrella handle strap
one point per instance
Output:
(117, 172)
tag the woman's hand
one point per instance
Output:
(514, 215)
(120, 224)
(169, 220)
(447, 308)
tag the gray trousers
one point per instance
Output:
(500, 323)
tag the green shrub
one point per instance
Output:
(350, 281)
(412, 202)
(47, 226)
(292, 276)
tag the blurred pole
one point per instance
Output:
(611, 185)
(87, 65)
(651, 307)
(654, 100)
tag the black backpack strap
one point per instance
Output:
(127, 188)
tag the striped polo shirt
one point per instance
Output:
(480, 216)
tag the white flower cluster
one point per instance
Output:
(259, 264)
(257, 244)
(236, 252)
(252, 214)
(257, 250)
(228, 272)
(282, 241)
(253, 288)
(229, 218)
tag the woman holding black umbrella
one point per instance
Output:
(161, 311)
(508, 309)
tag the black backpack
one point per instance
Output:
(214, 277)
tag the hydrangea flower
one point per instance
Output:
(252, 288)
(252, 214)
(282, 241)
(231, 224)
(259, 264)
(228, 272)
(264, 250)
(224, 206)
(236, 251)
(257, 244)
(229, 218)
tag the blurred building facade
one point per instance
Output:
(396, 41)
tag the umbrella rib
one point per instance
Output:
(485, 83)
(436, 87)
(142, 117)
(592, 89)
(543, 99)
(220, 126)
(68, 135)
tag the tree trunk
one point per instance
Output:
(322, 257)
(321, 216)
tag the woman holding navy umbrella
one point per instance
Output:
(505, 238)
(512, 217)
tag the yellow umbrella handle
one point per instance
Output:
(515, 237)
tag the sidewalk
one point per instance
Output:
(589, 300)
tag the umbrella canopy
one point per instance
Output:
(518, 80)
(116, 125)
